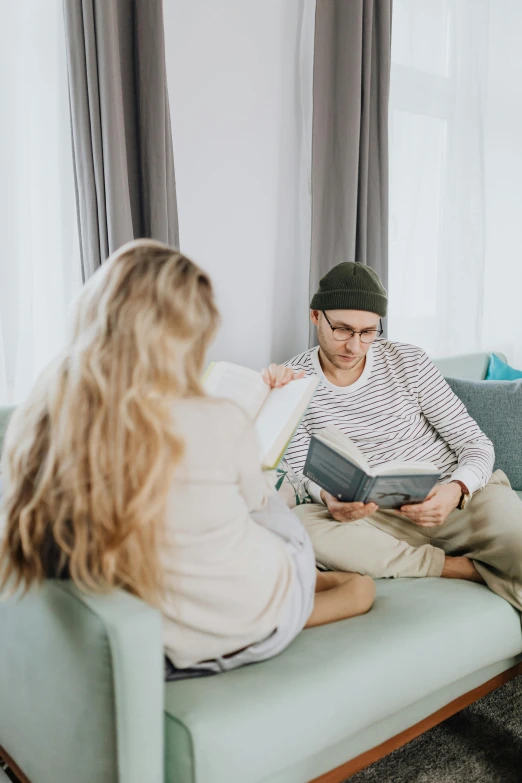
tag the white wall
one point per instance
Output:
(236, 88)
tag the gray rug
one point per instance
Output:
(481, 744)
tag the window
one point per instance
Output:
(437, 174)
(40, 269)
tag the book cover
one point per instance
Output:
(396, 491)
(349, 483)
(332, 472)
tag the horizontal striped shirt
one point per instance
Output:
(400, 408)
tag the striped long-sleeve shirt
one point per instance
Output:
(400, 408)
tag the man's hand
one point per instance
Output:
(347, 512)
(278, 375)
(436, 508)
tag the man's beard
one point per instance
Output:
(334, 357)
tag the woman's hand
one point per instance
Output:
(278, 375)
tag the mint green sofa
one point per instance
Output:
(82, 697)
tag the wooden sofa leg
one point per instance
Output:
(13, 766)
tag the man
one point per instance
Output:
(390, 399)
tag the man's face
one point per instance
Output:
(344, 354)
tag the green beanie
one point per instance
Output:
(351, 286)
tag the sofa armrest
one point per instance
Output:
(81, 686)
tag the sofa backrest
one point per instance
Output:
(496, 406)
(81, 686)
(469, 365)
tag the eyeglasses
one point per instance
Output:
(344, 333)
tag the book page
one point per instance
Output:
(280, 416)
(240, 384)
(344, 446)
(406, 468)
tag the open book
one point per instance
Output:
(276, 412)
(337, 465)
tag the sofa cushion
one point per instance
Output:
(279, 719)
(496, 406)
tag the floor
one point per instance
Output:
(481, 744)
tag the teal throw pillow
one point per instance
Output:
(500, 371)
(496, 406)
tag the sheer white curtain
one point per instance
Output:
(451, 62)
(40, 269)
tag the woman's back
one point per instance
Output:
(121, 473)
(226, 576)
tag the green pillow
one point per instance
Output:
(496, 406)
(500, 371)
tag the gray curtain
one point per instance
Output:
(120, 122)
(352, 60)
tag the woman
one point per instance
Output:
(121, 472)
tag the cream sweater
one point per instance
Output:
(227, 577)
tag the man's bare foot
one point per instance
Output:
(460, 568)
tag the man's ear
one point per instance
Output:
(314, 316)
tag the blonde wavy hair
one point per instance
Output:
(89, 457)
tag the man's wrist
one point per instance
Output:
(463, 487)
(463, 492)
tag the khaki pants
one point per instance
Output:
(488, 530)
